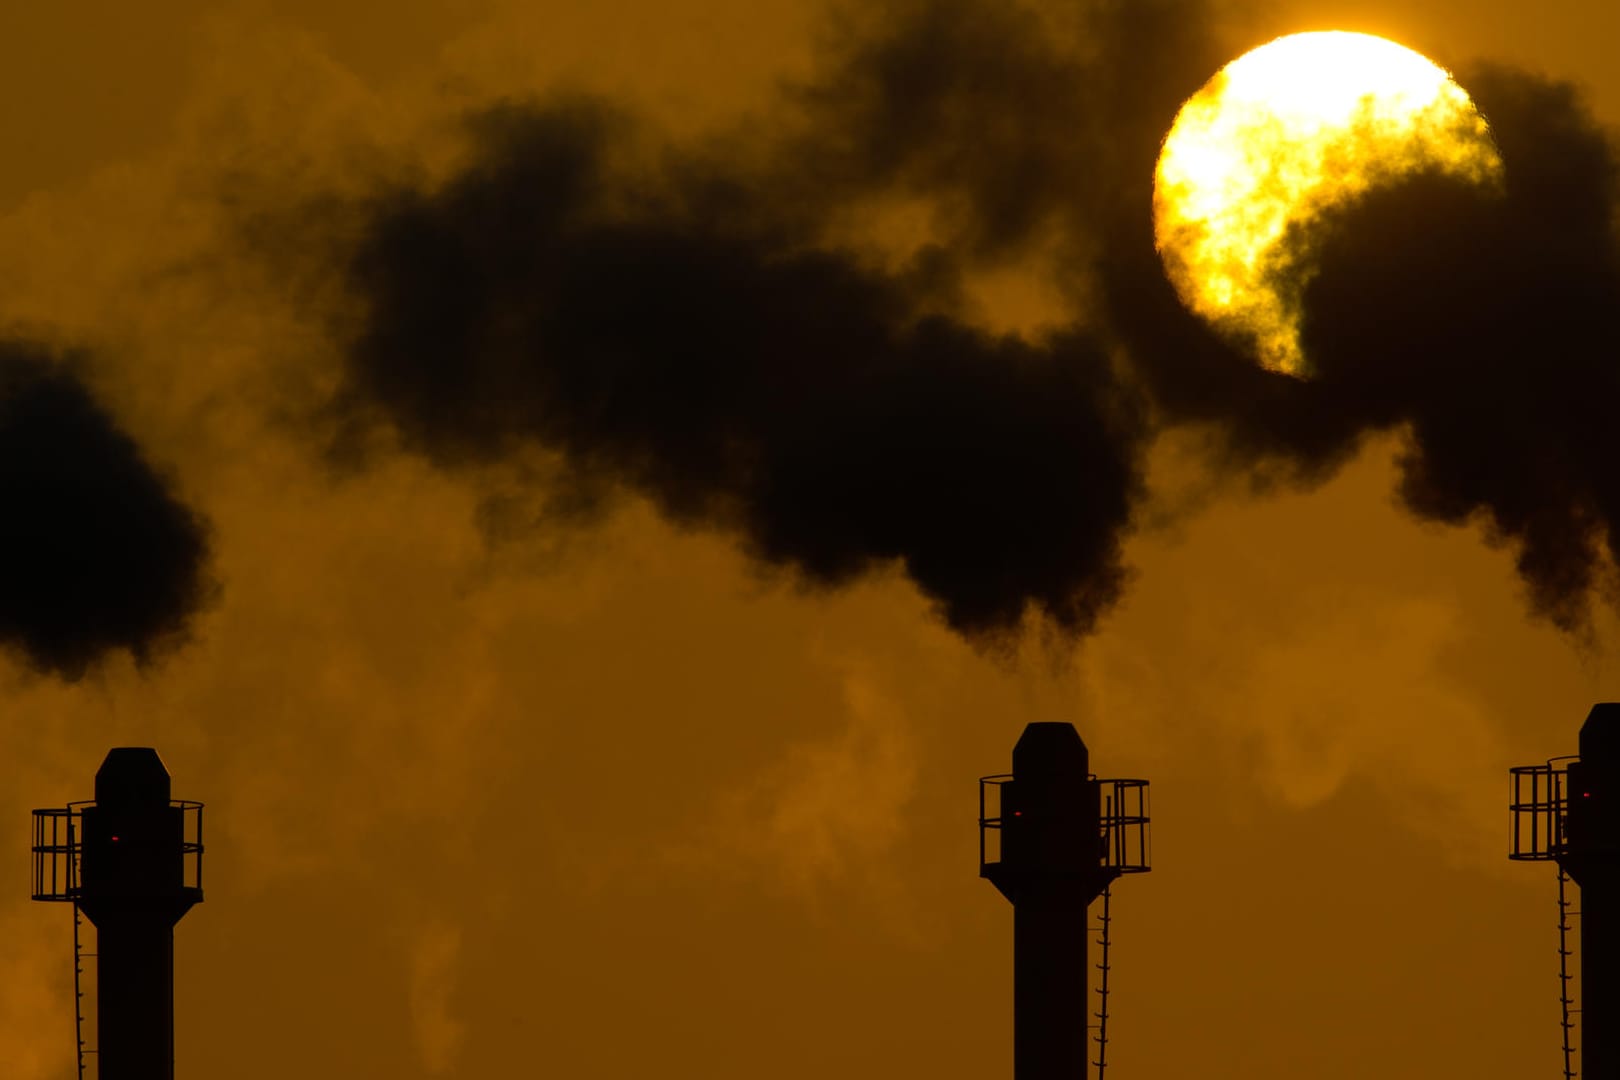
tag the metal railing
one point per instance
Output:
(1538, 805)
(59, 849)
(1123, 823)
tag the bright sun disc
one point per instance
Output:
(1298, 126)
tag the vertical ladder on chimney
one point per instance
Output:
(1102, 991)
(79, 957)
(1564, 977)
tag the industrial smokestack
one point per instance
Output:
(1592, 858)
(131, 861)
(1571, 814)
(1052, 837)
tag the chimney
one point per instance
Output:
(1052, 838)
(1568, 811)
(131, 862)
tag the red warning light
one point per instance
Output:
(1018, 813)
(115, 839)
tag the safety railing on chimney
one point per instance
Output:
(1124, 821)
(1538, 805)
(58, 849)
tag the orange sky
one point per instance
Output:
(617, 801)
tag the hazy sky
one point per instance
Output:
(493, 790)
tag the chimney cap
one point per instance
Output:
(132, 776)
(1050, 750)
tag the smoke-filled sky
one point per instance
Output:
(581, 491)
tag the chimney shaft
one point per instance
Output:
(134, 999)
(1051, 1010)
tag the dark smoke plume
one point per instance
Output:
(97, 553)
(738, 379)
(691, 332)
(693, 336)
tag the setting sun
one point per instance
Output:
(1303, 124)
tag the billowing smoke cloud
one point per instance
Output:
(696, 330)
(739, 377)
(97, 553)
(694, 335)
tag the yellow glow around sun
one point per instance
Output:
(1298, 126)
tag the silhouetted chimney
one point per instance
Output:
(1052, 837)
(131, 861)
(1571, 814)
